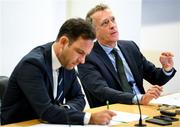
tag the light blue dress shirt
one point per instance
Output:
(127, 70)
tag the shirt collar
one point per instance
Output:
(116, 47)
(55, 62)
(108, 49)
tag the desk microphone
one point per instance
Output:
(140, 124)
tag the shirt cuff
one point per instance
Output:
(134, 100)
(87, 117)
(169, 73)
(66, 106)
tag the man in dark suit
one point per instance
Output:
(100, 74)
(34, 89)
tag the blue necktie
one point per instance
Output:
(121, 73)
(60, 88)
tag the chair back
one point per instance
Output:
(3, 85)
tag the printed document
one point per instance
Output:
(172, 99)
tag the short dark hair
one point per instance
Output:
(76, 27)
(99, 7)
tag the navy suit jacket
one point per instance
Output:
(100, 79)
(30, 92)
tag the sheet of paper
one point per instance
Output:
(65, 125)
(121, 117)
(125, 117)
(172, 99)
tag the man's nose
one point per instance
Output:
(111, 24)
(81, 59)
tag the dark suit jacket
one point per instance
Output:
(30, 95)
(100, 80)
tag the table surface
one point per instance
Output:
(149, 110)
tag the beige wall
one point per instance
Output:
(153, 56)
(27, 23)
(160, 31)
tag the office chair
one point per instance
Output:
(3, 85)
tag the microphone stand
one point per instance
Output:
(140, 124)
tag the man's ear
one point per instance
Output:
(63, 41)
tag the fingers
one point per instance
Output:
(167, 54)
(111, 113)
(166, 60)
(156, 87)
(102, 117)
(153, 92)
(146, 98)
(108, 116)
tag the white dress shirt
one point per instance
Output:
(55, 71)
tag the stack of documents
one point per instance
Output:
(172, 99)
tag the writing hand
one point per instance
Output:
(101, 118)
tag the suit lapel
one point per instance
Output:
(107, 62)
(49, 66)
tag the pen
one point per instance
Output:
(107, 104)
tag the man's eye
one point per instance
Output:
(105, 23)
(80, 52)
(113, 19)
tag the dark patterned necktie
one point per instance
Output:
(121, 73)
(60, 88)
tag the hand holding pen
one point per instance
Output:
(107, 104)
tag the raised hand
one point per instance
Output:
(166, 60)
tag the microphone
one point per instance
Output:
(140, 124)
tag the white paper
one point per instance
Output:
(121, 117)
(65, 125)
(172, 99)
(124, 117)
